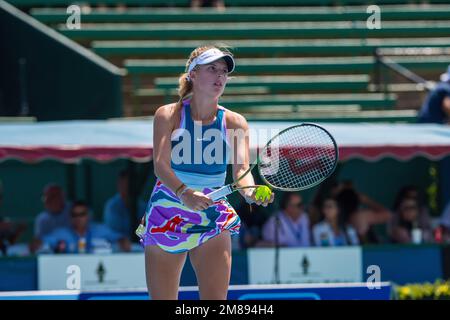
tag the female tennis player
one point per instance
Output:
(180, 217)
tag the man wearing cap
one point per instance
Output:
(436, 108)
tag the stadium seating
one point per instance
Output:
(271, 48)
(272, 14)
(259, 30)
(291, 54)
(404, 116)
(288, 83)
(356, 65)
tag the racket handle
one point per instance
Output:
(220, 193)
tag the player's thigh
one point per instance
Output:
(163, 271)
(212, 265)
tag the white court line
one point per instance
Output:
(190, 288)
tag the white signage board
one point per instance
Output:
(305, 265)
(91, 271)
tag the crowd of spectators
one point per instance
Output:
(68, 226)
(342, 216)
(338, 215)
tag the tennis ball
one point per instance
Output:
(263, 193)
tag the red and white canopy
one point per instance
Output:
(69, 141)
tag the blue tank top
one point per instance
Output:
(197, 148)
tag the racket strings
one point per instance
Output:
(299, 157)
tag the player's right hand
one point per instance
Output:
(196, 200)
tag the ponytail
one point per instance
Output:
(184, 89)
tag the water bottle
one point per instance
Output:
(82, 245)
(416, 234)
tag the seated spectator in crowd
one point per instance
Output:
(362, 213)
(408, 191)
(412, 192)
(117, 211)
(436, 107)
(407, 221)
(84, 236)
(293, 224)
(329, 188)
(56, 213)
(333, 230)
(10, 232)
(314, 208)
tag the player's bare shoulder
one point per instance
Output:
(235, 120)
(167, 114)
(166, 110)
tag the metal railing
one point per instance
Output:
(383, 59)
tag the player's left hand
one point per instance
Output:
(261, 195)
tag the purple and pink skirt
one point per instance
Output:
(175, 228)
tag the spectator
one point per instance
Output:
(412, 192)
(362, 213)
(218, 4)
(117, 211)
(330, 188)
(84, 236)
(406, 220)
(436, 108)
(333, 230)
(56, 213)
(314, 208)
(9, 232)
(294, 224)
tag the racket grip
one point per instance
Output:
(220, 193)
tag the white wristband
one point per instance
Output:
(182, 192)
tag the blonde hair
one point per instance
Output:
(185, 86)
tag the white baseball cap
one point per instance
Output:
(209, 56)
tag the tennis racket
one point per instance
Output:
(297, 158)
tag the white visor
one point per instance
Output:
(209, 56)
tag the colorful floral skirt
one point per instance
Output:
(175, 228)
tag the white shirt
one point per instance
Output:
(324, 235)
(290, 233)
(47, 222)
